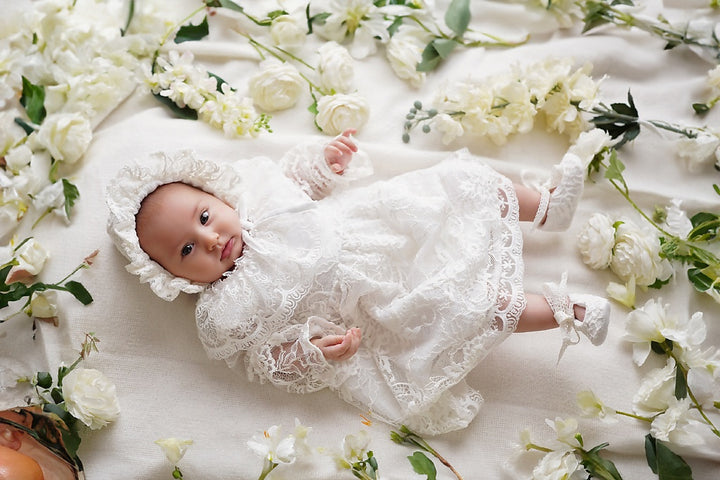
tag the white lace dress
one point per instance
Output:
(427, 264)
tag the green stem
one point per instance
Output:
(407, 436)
(267, 468)
(170, 31)
(632, 415)
(45, 213)
(532, 446)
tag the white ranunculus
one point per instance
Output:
(590, 143)
(656, 391)
(65, 135)
(448, 127)
(277, 86)
(404, 52)
(336, 68)
(637, 254)
(272, 446)
(43, 304)
(556, 465)
(174, 448)
(596, 241)
(90, 397)
(698, 152)
(287, 31)
(337, 113)
(674, 424)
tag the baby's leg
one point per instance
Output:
(528, 202)
(539, 316)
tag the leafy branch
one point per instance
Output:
(419, 461)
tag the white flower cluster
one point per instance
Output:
(187, 85)
(560, 460)
(630, 250)
(673, 419)
(506, 104)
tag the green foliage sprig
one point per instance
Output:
(419, 461)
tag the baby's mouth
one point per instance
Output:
(227, 249)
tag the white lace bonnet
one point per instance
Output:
(134, 182)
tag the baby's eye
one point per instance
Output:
(204, 217)
(186, 250)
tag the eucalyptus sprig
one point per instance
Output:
(420, 462)
(601, 12)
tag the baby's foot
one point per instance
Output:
(560, 196)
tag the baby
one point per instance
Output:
(388, 294)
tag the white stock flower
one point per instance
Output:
(448, 127)
(675, 423)
(565, 429)
(52, 198)
(43, 304)
(355, 447)
(698, 152)
(589, 144)
(704, 374)
(637, 253)
(337, 113)
(591, 406)
(596, 241)
(173, 448)
(623, 293)
(287, 31)
(654, 323)
(404, 52)
(656, 391)
(277, 86)
(336, 68)
(676, 220)
(66, 136)
(273, 447)
(556, 465)
(90, 397)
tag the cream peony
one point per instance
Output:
(90, 397)
(66, 136)
(287, 31)
(336, 68)
(173, 448)
(337, 113)
(277, 86)
(637, 254)
(596, 241)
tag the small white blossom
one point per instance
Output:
(676, 220)
(590, 143)
(18, 157)
(273, 447)
(698, 152)
(675, 423)
(556, 465)
(173, 448)
(90, 397)
(623, 293)
(336, 68)
(596, 241)
(565, 429)
(360, 21)
(43, 305)
(656, 392)
(276, 86)
(337, 113)
(66, 136)
(591, 406)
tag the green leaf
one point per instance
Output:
(189, 33)
(444, 47)
(701, 108)
(457, 16)
(423, 465)
(79, 292)
(671, 466)
(44, 380)
(182, 112)
(699, 280)
(25, 126)
(225, 4)
(71, 193)
(650, 452)
(660, 283)
(615, 169)
(57, 395)
(429, 60)
(395, 25)
(681, 390)
(220, 81)
(33, 99)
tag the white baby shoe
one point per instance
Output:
(559, 196)
(595, 322)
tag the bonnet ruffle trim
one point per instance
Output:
(134, 182)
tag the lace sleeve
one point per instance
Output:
(289, 360)
(305, 164)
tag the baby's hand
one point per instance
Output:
(339, 347)
(339, 152)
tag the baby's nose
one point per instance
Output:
(211, 240)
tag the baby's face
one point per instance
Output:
(191, 233)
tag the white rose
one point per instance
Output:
(637, 254)
(65, 135)
(276, 86)
(699, 151)
(43, 304)
(336, 68)
(596, 241)
(287, 31)
(31, 256)
(589, 144)
(173, 448)
(448, 127)
(90, 397)
(337, 113)
(404, 52)
(556, 465)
